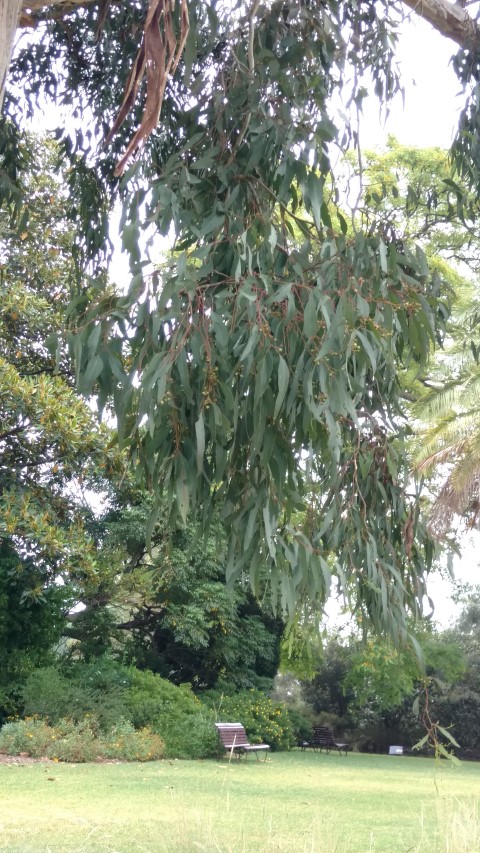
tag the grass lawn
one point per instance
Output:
(295, 802)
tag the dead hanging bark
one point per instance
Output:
(159, 55)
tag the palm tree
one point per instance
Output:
(450, 440)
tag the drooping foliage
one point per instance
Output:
(258, 368)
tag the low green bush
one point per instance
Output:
(75, 742)
(265, 721)
(54, 693)
(30, 736)
(111, 693)
(186, 725)
(126, 743)
(194, 738)
(80, 741)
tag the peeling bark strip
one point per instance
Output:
(450, 19)
(159, 54)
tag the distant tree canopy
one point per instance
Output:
(257, 370)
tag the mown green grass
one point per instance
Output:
(295, 802)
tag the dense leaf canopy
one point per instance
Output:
(257, 368)
(50, 443)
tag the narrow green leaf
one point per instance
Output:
(310, 321)
(181, 489)
(94, 368)
(448, 735)
(368, 348)
(421, 743)
(315, 191)
(268, 522)
(200, 435)
(383, 253)
(283, 378)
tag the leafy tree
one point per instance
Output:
(410, 194)
(385, 675)
(30, 627)
(326, 693)
(172, 606)
(51, 449)
(381, 694)
(457, 701)
(258, 368)
(48, 436)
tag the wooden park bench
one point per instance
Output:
(234, 740)
(324, 739)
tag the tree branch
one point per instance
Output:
(450, 19)
(33, 5)
(14, 431)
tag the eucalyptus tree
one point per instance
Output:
(258, 370)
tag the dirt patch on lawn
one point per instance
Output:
(23, 759)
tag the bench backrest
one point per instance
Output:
(232, 734)
(323, 735)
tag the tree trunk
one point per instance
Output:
(450, 19)
(9, 15)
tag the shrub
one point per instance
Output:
(75, 742)
(80, 741)
(48, 694)
(264, 720)
(126, 743)
(195, 738)
(111, 693)
(186, 726)
(30, 736)
(82, 689)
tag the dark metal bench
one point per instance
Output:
(234, 740)
(324, 739)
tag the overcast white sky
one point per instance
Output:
(432, 92)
